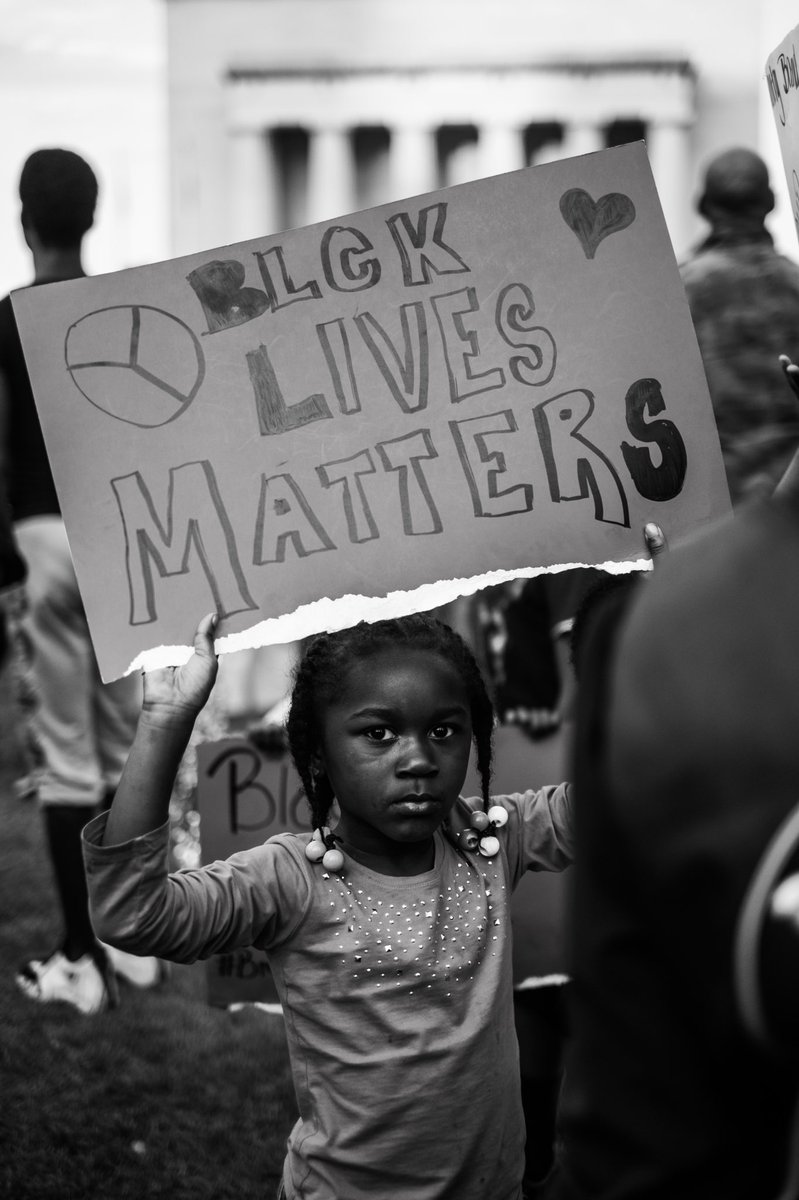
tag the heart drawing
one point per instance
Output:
(594, 221)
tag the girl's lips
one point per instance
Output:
(423, 803)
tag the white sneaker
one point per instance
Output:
(140, 970)
(78, 983)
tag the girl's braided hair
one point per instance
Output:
(318, 679)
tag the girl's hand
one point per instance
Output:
(791, 373)
(655, 541)
(788, 486)
(172, 692)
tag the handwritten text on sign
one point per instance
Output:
(498, 377)
(244, 797)
(782, 80)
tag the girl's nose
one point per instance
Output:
(417, 758)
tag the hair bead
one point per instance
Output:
(315, 850)
(469, 839)
(333, 860)
(484, 827)
(322, 848)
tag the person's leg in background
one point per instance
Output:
(72, 785)
(18, 665)
(542, 1028)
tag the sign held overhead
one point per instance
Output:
(371, 415)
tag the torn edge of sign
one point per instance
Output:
(332, 614)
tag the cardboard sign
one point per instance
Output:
(309, 428)
(782, 80)
(244, 797)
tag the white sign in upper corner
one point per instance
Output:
(782, 81)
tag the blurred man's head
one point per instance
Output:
(58, 190)
(736, 185)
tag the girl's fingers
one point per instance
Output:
(655, 540)
(204, 637)
(791, 373)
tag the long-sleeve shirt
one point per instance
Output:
(396, 993)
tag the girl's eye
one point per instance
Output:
(377, 733)
(440, 732)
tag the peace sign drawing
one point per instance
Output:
(135, 362)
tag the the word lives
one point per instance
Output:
(477, 448)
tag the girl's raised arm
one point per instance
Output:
(173, 697)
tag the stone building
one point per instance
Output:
(214, 120)
(286, 112)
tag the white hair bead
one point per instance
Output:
(315, 850)
(333, 860)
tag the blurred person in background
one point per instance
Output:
(84, 727)
(744, 300)
(16, 656)
(685, 768)
(682, 1077)
(525, 627)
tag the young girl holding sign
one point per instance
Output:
(389, 946)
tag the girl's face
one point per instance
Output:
(395, 747)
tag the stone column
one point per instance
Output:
(500, 148)
(413, 161)
(668, 144)
(581, 137)
(331, 174)
(252, 186)
(462, 163)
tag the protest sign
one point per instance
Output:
(782, 80)
(244, 796)
(325, 424)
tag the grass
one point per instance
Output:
(164, 1096)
